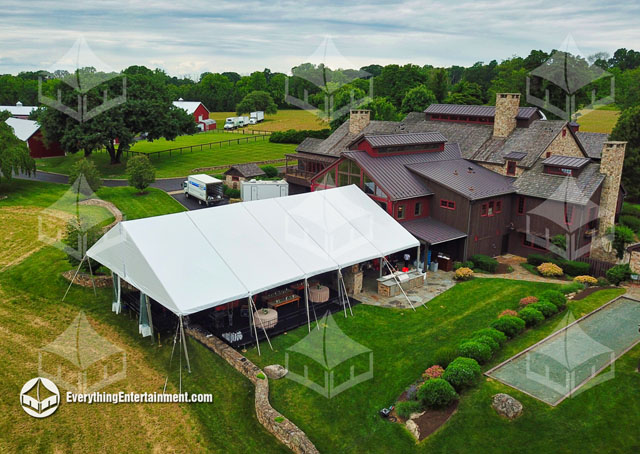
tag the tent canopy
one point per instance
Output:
(192, 261)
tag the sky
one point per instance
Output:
(188, 38)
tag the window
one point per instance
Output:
(521, 205)
(348, 173)
(371, 188)
(417, 209)
(564, 132)
(484, 210)
(491, 208)
(511, 168)
(548, 154)
(558, 171)
(400, 212)
(568, 214)
(448, 204)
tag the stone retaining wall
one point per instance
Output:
(285, 431)
(225, 167)
(84, 279)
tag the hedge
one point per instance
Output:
(462, 372)
(509, 325)
(496, 335)
(297, 136)
(570, 267)
(556, 297)
(474, 349)
(485, 263)
(437, 393)
(547, 308)
(531, 316)
(618, 274)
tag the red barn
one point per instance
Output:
(199, 112)
(19, 111)
(29, 131)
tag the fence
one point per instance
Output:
(258, 132)
(597, 268)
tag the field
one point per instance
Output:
(32, 315)
(403, 342)
(281, 121)
(178, 165)
(601, 120)
(144, 146)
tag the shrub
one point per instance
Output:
(295, 136)
(509, 325)
(467, 264)
(140, 172)
(549, 269)
(463, 274)
(556, 297)
(437, 393)
(489, 342)
(485, 263)
(406, 408)
(632, 222)
(630, 210)
(444, 356)
(531, 316)
(496, 335)
(270, 171)
(462, 372)
(573, 287)
(230, 192)
(622, 236)
(560, 241)
(79, 237)
(618, 274)
(508, 312)
(547, 308)
(434, 371)
(475, 350)
(572, 267)
(90, 173)
(412, 391)
(538, 259)
(587, 280)
(528, 300)
(603, 282)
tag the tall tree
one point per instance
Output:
(418, 99)
(628, 129)
(14, 153)
(257, 100)
(440, 84)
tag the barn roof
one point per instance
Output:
(567, 162)
(189, 106)
(23, 129)
(19, 110)
(400, 139)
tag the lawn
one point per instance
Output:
(144, 146)
(178, 165)
(403, 344)
(32, 315)
(600, 120)
(281, 121)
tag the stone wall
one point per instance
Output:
(84, 279)
(284, 430)
(358, 120)
(507, 105)
(634, 262)
(501, 168)
(563, 146)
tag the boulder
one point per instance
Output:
(275, 371)
(413, 428)
(506, 406)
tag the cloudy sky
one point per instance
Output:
(188, 38)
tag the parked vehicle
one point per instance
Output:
(244, 121)
(256, 117)
(263, 189)
(232, 123)
(206, 189)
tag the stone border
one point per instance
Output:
(284, 430)
(117, 214)
(84, 279)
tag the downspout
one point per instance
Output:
(466, 242)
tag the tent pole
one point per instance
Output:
(346, 294)
(173, 349)
(344, 306)
(93, 283)
(74, 277)
(253, 322)
(147, 304)
(418, 258)
(184, 342)
(262, 326)
(306, 302)
(399, 285)
(381, 265)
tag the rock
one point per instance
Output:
(275, 371)
(507, 406)
(413, 428)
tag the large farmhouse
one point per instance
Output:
(471, 180)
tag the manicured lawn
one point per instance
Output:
(134, 206)
(404, 343)
(281, 121)
(145, 146)
(599, 121)
(32, 315)
(178, 165)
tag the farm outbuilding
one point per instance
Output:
(199, 112)
(29, 131)
(242, 172)
(19, 110)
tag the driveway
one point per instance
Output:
(166, 184)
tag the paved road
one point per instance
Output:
(169, 184)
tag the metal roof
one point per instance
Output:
(515, 155)
(23, 129)
(189, 106)
(19, 110)
(466, 178)
(524, 113)
(407, 138)
(393, 176)
(432, 231)
(312, 157)
(567, 162)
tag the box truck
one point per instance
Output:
(263, 189)
(232, 123)
(244, 121)
(204, 188)
(256, 117)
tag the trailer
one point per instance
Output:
(256, 117)
(263, 189)
(204, 188)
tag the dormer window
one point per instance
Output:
(511, 168)
(564, 165)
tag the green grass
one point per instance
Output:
(134, 205)
(281, 121)
(600, 120)
(145, 146)
(177, 165)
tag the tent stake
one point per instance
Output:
(399, 285)
(184, 341)
(74, 277)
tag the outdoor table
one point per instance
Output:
(265, 318)
(319, 294)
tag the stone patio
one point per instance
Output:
(435, 284)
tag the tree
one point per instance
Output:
(627, 129)
(418, 99)
(440, 84)
(79, 237)
(465, 93)
(14, 153)
(257, 100)
(87, 169)
(140, 172)
(623, 235)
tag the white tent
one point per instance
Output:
(197, 260)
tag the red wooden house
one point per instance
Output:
(29, 131)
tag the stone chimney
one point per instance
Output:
(358, 120)
(611, 167)
(507, 105)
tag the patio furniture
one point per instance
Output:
(280, 297)
(319, 294)
(265, 318)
